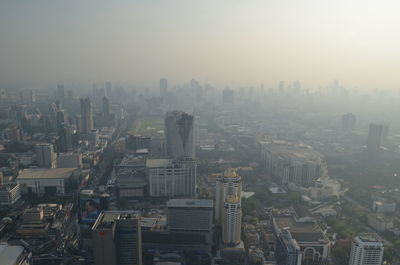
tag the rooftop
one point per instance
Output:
(161, 162)
(46, 173)
(106, 219)
(302, 232)
(10, 254)
(369, 237)
(190, 203)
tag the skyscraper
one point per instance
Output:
(374, 140)
(163, 86)
(366, 249)
(60, 92)
(179, 134)
(106, 109)
(64, 138)
(231, 220)
(230, 183)
(45, 155)
(348, 122)
(108, 89)
(228, 96)
(116, 237)
(87, 116)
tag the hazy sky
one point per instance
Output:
(220, 41)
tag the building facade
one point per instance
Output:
(179, 134)
(366, 249)
(45, 155)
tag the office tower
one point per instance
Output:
(374, 140)
(228, 96)
(230, 183)
(170, 178)
(60, 117)
(86, 115)
(116, 237)
(281, 86)
(106, 109)
(78, 123)
(163, 86)
(179, 134)
(231, 220)
(64, 138)
(190, 215)
(348, 122)
(137, 142)
(108, 89)
(45, 155)
(366, 249)
(60, 92)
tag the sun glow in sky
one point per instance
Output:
(232, 42)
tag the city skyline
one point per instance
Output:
(225, 43)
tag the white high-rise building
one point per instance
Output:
(179, 134)
(45, 155)
(232, 220)
(230, 183)
(366, 249)
(86, 116)
(170, 178)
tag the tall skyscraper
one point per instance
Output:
(366, 249)
(348, 122)
(179, 134)
(232, 220)
(116, 237)
(374, 140)
(45, 155)
(106, 109)
(86, 115)
(163, 86)
(64, 138)
(108, 89)
(60, 92)
(281, 86)
(228, 184)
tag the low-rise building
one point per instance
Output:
(9, 193)
(45, 181)
(69, 160)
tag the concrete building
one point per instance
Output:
(9, 193)
(163, 86)
(230, 183)
(232, 221)
(348, 122)
(374, 140)
(136, 142)
(45, 155)
(190, 215)
(14, 255)
(288, 162)
(366, 249)
(69, 160)
(117, 239)
(44, 181)
(179, 134)
(170, 178)
(86, 116)
(384, 206)
(306, 244)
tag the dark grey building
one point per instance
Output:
(179, 134)
(117, 238)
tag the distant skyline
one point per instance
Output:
(224, 42)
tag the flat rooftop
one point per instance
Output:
(9, 254)
(183, 203)
(161, 162)
(303, 232)
(106, 219)
(369, 237)
(46, 173)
